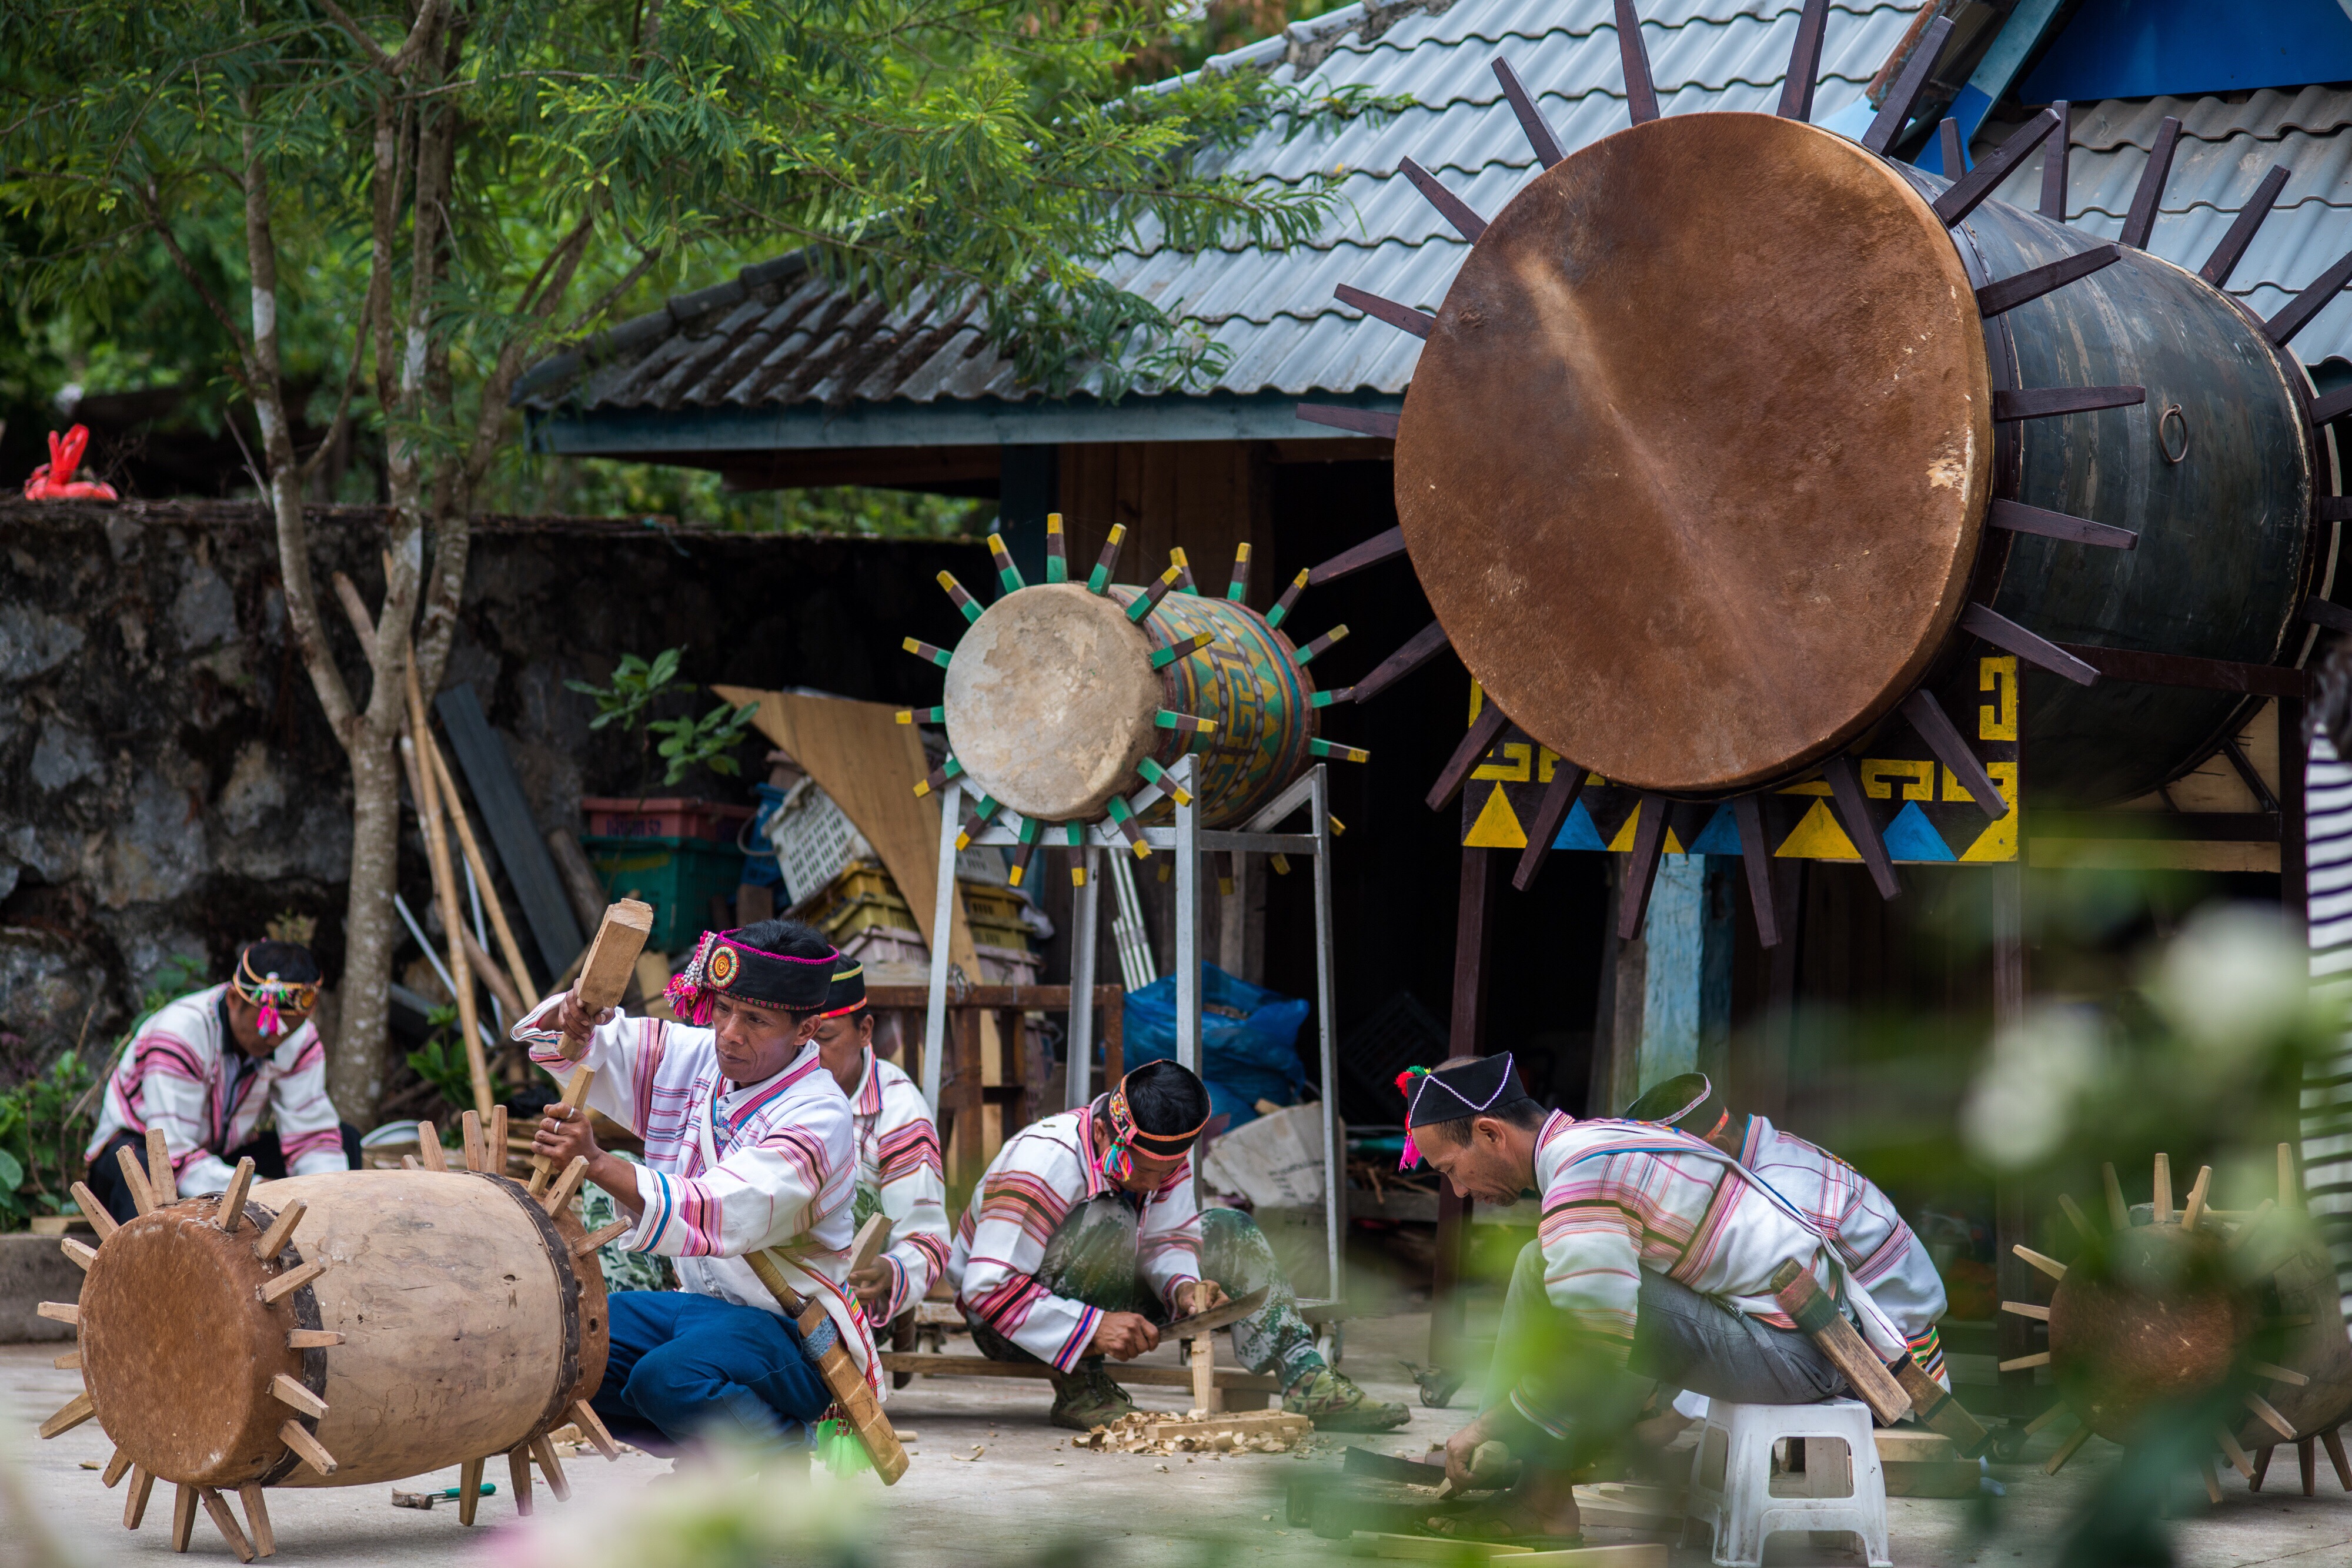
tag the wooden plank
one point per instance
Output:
(1537, 130)
(2053, 164)
(1895, 108)
(2224, 259)
(2175, 670)
(1804, 63)
(1228, 1379)
(2048, 402)
(499, 797)
(860, 755)
(2019, 519)
(1634, 55)
(2299, 311)
(1355, 558)
(1968, 189)
(2152, 176)
(2008, 293)
(1405, 318)
(1451, 207)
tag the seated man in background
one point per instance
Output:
(1652, 1268)
(1084, 1238)
(204, 1070)
(899, 1173)
(749, 1146)
(1879, 1250)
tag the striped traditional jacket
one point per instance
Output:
(1042, 1171)
(900, 1174)
(784, 1177)
(170, 1077)
(1622, 1197)
(1879, 1250)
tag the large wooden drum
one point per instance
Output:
(434, 1318)
(1053, 702)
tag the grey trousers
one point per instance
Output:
(1566, 1382)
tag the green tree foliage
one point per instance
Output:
(387, 209)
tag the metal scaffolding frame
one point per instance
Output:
(1188, 841)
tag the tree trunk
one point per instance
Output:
(360, 1061)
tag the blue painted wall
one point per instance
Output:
(2144, 48)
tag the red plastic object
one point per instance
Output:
(669, 817)
(55, 481)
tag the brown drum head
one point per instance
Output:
(178, 1349)
(1696, 457)
(1050, 700)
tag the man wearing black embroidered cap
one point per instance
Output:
(1652, 1265)
(1084, 1238)
(750, 1145)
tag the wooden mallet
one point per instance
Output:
(603, 979)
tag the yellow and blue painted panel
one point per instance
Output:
(1920, 807)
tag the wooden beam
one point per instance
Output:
(1968, 189)
(1641, 92)
(1804, 62)
(1756, 858)
(1475, 744)
(2198, 674)
(2152, 176)
(1642, 868)
(1451, 207)
(1405, 318)
(2008, 293)
(1531, 121)
(2224, 259)
(2049, 402)
(1998, 630)
(1846, 786)
(1559, 799)
(1943, 737)
(2053, 164)
(1894, 109)
(1380, 547)
(1419, 649)
(2019, 519)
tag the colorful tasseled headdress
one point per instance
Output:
(721, 962)
(1477, 1087)
(1118, 1159)
(274, 996)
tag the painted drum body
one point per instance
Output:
(1052, 701)
(1699, 469)
(2216, 472)
(468, 1326)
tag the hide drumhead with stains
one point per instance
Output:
(1694, 459)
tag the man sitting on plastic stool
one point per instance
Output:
(1651, 1267)
(1879, 1250)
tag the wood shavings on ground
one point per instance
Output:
(570, 1442)
(1166, 1433)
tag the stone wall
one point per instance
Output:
(168, 782)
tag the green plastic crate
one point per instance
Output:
(679, 877)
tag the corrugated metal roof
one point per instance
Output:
(782, 339)
(2224, 151)
(775, 337)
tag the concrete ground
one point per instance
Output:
(992, 1484)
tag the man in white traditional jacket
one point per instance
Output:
(1652, 1268)
(1084, 1238)
(205, 1069)
(1880, 1250)
(899, 1172)
(749, 1144)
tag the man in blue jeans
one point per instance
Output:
(750, 1145)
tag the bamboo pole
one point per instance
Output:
(516, 970)
(445, 893)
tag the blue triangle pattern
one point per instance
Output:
(1720, 836)
(1578, 833)
(1911, 836)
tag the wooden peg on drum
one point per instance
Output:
(604, 978)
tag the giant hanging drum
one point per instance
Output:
(1732, 434)
(409, 1319)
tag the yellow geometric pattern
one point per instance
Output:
(1498, 826)
(1818, 837)
(1998, 841)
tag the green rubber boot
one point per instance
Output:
(1087, 1399)
(1336, 1404)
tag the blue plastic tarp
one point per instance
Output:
(1249, 1040)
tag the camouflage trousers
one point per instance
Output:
(1091, 1258)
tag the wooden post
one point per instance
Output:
(508, 946)
(1206, 1398)
(2013, 1335)
(1467, 1037)
(2293, 890)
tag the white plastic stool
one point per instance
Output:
(1732, 1478)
